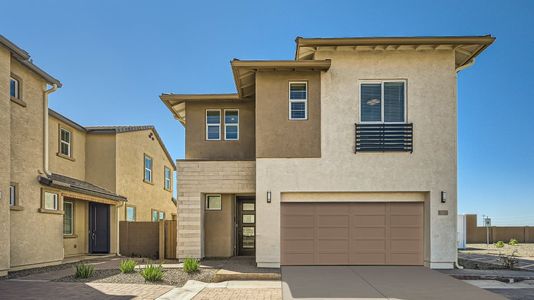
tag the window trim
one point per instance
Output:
(207, 202)
(305, 101)
(18, 90)
(381, 82)
(59, 202)
(13, 195)
(72, 218)
(165, 168)
(152, 211)
(126, 212)
(145, 168)
(160, 212)
(231, 124)
(219, 124)
(60, 142)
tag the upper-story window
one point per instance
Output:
(148, 169)
(383, 101)
(14, 88)
(298, 100)
(231, 124)
(65, 142)
(168, 180)
(213, 124)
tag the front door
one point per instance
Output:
(246, 226)
(98, 228)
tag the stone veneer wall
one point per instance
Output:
(196, 178)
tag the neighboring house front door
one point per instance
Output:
(98, 228)
(246, 226)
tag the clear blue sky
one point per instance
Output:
(115, 57)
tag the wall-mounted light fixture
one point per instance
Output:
(268, 196)
(443, 197)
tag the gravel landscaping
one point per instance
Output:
(524, 251)
(175, 277)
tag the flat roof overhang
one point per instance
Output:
(245, 71)
(466, 48)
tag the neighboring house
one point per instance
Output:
(344, 156)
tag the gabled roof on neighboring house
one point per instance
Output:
(79, 186)
(23, 57)
(113, 130)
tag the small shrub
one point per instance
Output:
(191, 265)
(127, 266)
(499, 244)
(84, 271)
(513, 242)
(152, 273)
(509, 261)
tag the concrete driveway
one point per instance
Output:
(375, 282)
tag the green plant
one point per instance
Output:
(84, 271)
(127, 266)
(499, 244)
(513, 242)
(509, 261)
(191, 265)
(152, 273)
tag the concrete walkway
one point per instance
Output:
(523, 264)
(377, 282)
(253, 289)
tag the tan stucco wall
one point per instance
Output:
(276, 135)
(219, 228)
(73, 166)
(100, 157)
(197, 147)
(5, 160)
(131, 147)
(197, 178)
(77, 243)
(431, 168)
(36, 238)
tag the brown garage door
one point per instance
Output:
(352, 233)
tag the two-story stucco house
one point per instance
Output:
(346, 155)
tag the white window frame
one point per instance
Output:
(17, 87)
(56, 200)
(71, 217)
(161, 215)
(61, 141)
(167, 179)
(134, 213)
(12, 195)
(305, 101)
(218, 125)
(207, 201)
(231, 124)
(145, 156)
(381, 82)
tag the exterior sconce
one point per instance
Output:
(443, 197)
(268, 196)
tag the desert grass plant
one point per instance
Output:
(191, 265)
(84, 271)
(513, 242)
(509, 261)
(152, 273)
(127, 266)
(499, 244)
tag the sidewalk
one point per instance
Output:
(262, 289)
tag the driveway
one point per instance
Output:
(377, 282)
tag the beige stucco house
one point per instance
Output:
(57, 177)
(345, 155)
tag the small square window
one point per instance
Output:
(51, 201)
(213, 202)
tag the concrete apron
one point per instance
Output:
(193, 287)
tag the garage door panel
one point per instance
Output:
(332, 246)
(301, 221)
(406, 208)
(332, 233)
(299, 246)
(403, 246)
(333, 220)
(332, 208)
(298, 259)
(414, 221)
(298, 233)
(406, 233)
(298, 209)
(365, 209)
(404, 259)
(368, 245)
(368, 259)
(368, 221)
(368, 233)
(332, 258)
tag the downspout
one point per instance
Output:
(45, 129)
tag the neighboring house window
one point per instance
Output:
(68, 218)
(65, 141)
(51, 201)
(168, 180)
(12, 195)
(231, 124)
(14, 88)
(155, 215)
(148, 168)
(383, 101)
(213, 125)
(161, 215)
(213, 202)
(130, 213)
(298, 100)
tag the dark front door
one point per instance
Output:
(246, 226)
(98, 228)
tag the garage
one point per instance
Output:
(357, 233)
